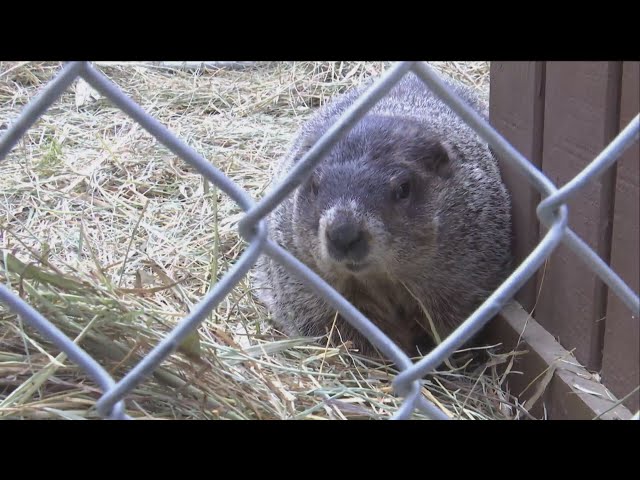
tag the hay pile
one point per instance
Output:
(114, 239)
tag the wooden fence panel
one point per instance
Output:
(621, 358)
(581, 116)
(516, 111)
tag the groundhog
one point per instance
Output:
(407, 217)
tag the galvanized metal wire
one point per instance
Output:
(552, 212)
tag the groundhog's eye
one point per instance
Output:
(402, 191)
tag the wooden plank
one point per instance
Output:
(621, 359)
(572, 393)
(516, 111)
(580, 118)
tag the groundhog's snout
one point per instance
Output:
(347, 240)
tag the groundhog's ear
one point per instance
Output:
(438, 158)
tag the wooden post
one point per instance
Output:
(621, 360)
(581, 117)
(516, 111)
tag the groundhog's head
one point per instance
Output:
(371, 205)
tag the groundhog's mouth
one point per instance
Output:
(346, 267)
(355, 267)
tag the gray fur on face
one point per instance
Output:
(411, 199)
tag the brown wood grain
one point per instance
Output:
(621, 358)
(516, 111)
(581, 117)
(573, 393)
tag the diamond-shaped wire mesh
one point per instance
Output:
(552, 212)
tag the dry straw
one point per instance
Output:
(114, 240)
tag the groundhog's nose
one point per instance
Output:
(347, 240)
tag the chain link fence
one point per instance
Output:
(552, 212)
